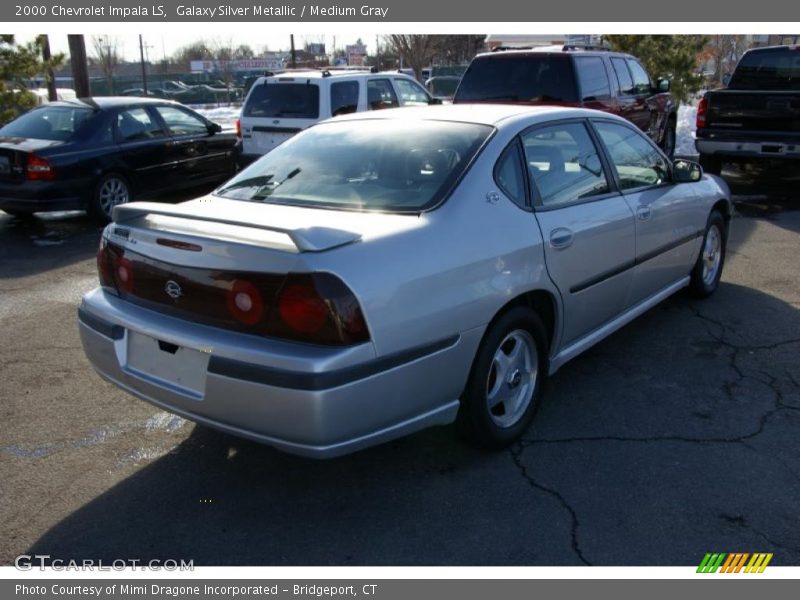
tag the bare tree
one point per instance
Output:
(416, 50)
(725, 50)
(107, 55)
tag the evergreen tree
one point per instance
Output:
(18, 64)
(666, 56)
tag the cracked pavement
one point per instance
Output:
(674, 437)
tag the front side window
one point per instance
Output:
(593, 78)
(371, 164)
(136, 124)
(623, 77)
(411, 93)
(289, 100)
(563, 163)
(637, 162)
(641, 80)
(380, 94)
(344, 97)
(180, 122)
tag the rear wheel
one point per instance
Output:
(708, 269)
(110, 191)
(711, 164)
(668, 141)
(503, 389)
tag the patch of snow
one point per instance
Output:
(684, 134)
(224, 115)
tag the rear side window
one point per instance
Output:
(518, 78)
(344, 97)
(509, 175)
(135, 124)
(564, 164)
(49, 123)
(772, 70)
(641, 80)
(592, 78)
(623, 77)
(290, 100)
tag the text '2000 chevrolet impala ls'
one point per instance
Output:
(378, 274)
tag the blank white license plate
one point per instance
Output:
(268, 141)
(185, 368)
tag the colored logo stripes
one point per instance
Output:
(734, 562)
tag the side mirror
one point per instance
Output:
(214, 128)
(663, 85)
(686, 171)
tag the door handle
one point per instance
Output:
(644, 213)
(560, 238)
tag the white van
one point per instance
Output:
(278, 106)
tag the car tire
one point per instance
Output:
(503, 389)
(112, 189)
(707, 270)
(711, 164)
(668, 139)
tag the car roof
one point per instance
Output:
(564, 50)
(331, 73)
(106, 102)
(482, 114)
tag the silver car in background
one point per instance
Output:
(382, 273)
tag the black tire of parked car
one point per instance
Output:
(698, 287)
(475, 422)
(668, 139)
(711, 164)
(113, 183)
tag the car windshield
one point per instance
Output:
(770, 70)
(374, 164)
(293, 100)
(518, 78)
(58, 123)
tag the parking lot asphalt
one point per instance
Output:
(676, 436)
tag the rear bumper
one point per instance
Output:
(314, 402)
(749, 148)
(34, 196)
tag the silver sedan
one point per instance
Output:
(381, 273)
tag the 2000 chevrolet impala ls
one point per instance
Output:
(381, 273)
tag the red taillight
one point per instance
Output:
(238, 128)
(114, 270)
(39, 169)
(123, 273)
(245, 303)
(302, 308)
(104, 266)
(702, 107)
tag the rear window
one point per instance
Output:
(518, 78)
(58, 123)
(374, 164)
(771, 70)
(293, 100)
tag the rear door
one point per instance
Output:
(587, 226)
(276, 109)
(144, 149)
(593, 83)
(669, 217)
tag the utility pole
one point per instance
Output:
(144, 69)
(80, 73)
(50, 78)
(294, 55)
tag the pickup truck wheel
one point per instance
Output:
(711, 164)
(503, 389)
(708, 269)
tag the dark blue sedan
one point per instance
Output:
(95, 153)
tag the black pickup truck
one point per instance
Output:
(757, 116)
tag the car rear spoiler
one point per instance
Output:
(306, 239)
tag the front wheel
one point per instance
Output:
(110, 191)
(708, 269)
(503, 389)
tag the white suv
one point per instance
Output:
(278, 106)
